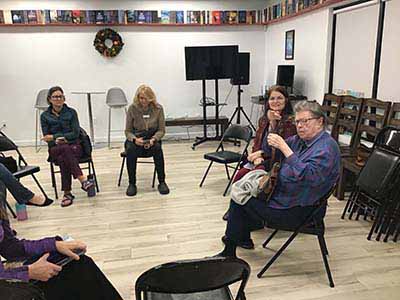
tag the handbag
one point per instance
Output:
(9, 162)
(85, 143)
(18, 290)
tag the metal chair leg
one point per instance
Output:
(109, 128)
(95, 176)
(205, 174)
(277, 254)
(154, 177)
(11, 210)
(122, 170)
(269, 238)
(324, 251)
(53, 179)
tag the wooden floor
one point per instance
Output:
(128, 235)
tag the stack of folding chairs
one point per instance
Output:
(376, 195)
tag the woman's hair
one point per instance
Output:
(314, 108)
(280, 89)
(51, 91)
(148, 93)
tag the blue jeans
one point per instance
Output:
(19, 192)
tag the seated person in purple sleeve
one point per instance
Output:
(78, 279)
(308, 171)
(60, 126)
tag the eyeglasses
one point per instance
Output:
(279, 98)
(304, 121)
(57, 97)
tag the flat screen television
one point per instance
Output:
(285, 75)
(210, 62)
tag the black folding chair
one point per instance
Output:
(226, 157)
(85, 159)
(23, 169)
(200, 279)
(375, 194)
(123, 155)
(312, 225)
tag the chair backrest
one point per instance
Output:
(394, 115)
(239, 132)
(85, 143)
(331, 105)
(378, 175)
(373, 118)
(348, 119)
(194, 277)
(389, 137)
(116, 97)
(41, 99)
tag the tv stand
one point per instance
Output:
(205, 138)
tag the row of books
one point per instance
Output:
(288, 7)
(130, 16)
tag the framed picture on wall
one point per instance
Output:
(289, 45)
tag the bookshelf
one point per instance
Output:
(279, 12)
(297, 11)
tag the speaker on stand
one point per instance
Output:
(242, 77)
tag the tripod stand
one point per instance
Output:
(239, 109)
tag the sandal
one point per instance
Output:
(67, 200)
(87, 184)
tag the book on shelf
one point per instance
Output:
(111, 17)
(131, 16)
(1, 17)
(64, 16)
(180, 17)
(165, 17)
(32, 17)
(100, 17)
(251, 17)
(17, 17)
(172, 17)
(91, 16)
(79, 17)
(140, 17)
(233, 17)
(7, 17)
(215, 17)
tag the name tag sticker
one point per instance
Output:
(146, 116)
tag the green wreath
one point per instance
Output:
(100, 42)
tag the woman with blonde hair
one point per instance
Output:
(145, 127)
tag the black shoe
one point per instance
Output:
(132, 190)
(163, 188)
(226, 215)
(245, 245)
(47, 202)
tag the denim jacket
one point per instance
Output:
(65, 125)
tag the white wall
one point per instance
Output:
(388, 88)
(33, 58)
(355, 50)
(310, 52)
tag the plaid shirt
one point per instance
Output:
(309, 173)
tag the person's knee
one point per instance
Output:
(130, 148)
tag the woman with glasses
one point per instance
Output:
(278, 118)
(145, 126)
(60, 127)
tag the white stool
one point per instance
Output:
(115, 99)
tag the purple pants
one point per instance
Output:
(66, 156)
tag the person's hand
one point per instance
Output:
(48, 138)
(152, 141)
(42, 269)
(66, 248)
(61, 140)
(274, 115)
(258, 161)
(276, 141)
(251, 157)
(139, 142)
